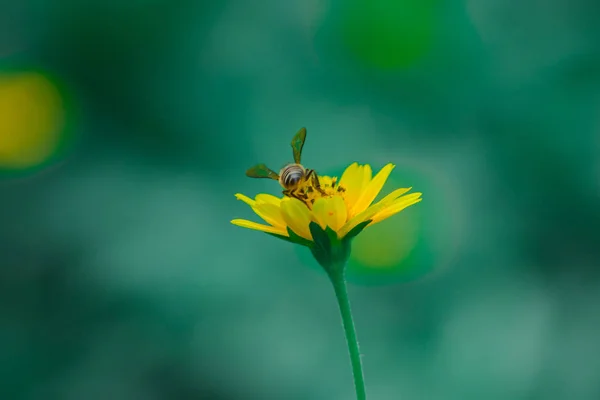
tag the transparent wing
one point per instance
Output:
(262, 171)
(298, 143)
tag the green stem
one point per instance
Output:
(341, 293)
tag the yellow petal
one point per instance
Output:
(363, 216)
(330, 211)
(372, 189)
(271, 213)
(297, 216)
(368, 173)
(350, 175)
(267, 198)
(354, 179)
(258, 227)
(349, 172)
(245, 199)
(397, 206)
(394, 195)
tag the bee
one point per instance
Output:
(292, 177)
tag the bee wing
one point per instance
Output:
(298, 143)
(261, 171)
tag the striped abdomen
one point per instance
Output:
(290, 175)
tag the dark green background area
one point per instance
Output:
(122, 278)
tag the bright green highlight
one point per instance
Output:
(389, 33)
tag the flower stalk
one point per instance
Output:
(338, 281)
(332, 254)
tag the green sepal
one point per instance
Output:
(298, 239)
(321, 247)
(292, 238)
(287, 239)
(332, 235)
(329, 251)
(356, 230)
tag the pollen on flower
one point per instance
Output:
(308, 193)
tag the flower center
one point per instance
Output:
(308, 193)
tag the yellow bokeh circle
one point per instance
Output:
(32, 119)
(388, 243)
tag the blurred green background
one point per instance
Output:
(125, 131)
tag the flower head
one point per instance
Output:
(334, 214)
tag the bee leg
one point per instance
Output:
(315, 181)
(293, 194)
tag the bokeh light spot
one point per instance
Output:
(389, 243)
(388, 33)
(32, 119)
(396, 249)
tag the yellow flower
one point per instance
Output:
(341, 208)
(325, 218)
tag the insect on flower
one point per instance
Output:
(326, 215)
(344, 206)
(297, 181)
